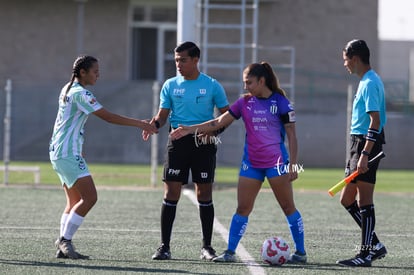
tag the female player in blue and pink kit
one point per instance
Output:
(268, 117)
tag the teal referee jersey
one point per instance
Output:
(192, 101)
(370, 97)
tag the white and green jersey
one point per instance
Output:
(67, 138)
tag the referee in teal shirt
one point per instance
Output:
(367, 137)
(187, 99)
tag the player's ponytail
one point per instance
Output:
(84, 62)
(264, 69)
(272, 82)
(68, 88)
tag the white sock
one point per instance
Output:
(63, 221)
(72, 225)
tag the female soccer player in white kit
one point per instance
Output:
(76, 103)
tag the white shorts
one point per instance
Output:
(70, 169)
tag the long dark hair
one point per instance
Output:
(263, 69)
(84, 62)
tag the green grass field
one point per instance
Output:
(122, 231)
(399, 181)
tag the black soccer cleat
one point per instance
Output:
(162, 253)
(357, 261)
(378, 252)
(208, 253)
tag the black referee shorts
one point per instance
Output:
(190, 154)
(357, 145)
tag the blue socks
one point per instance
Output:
(238, 226)
(296, 229)
(239, 223)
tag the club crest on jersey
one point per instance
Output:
(203, 91)
(90, 98)
(92, 101)
(273, 109)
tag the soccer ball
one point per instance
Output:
(275, 251)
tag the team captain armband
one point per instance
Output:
(289, 117)
(372, 135)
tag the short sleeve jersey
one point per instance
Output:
(265, 132)
(67, 137)
(369, 97)
(192, 101)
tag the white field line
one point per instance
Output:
(246, 258)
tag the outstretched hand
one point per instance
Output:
(149, 129)
(180, 132)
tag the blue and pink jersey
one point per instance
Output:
(265, 132)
